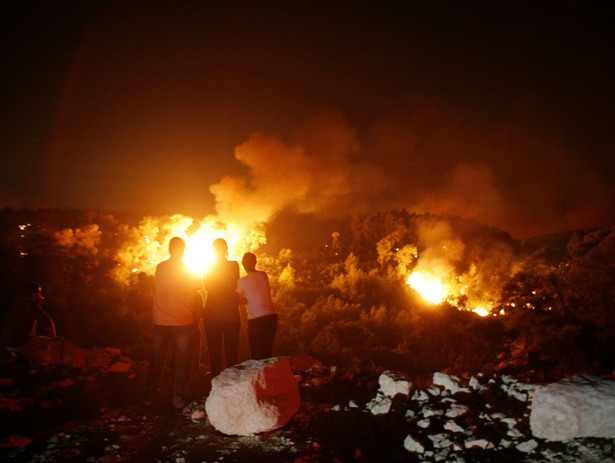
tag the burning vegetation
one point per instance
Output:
(418, 292)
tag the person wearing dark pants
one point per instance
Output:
(262, 319)
(221, 316)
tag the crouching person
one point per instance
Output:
(27, 328)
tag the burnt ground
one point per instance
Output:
(60, 414)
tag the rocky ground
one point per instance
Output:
(57, 413)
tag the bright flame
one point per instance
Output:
(429, 287)
(437, 288)
(147, 244)
(481, 311)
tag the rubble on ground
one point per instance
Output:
(360, 413)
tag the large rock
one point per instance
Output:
(583, 406)
(254, 396)
(393, 383)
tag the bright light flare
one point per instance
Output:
(199, 254)
(146, 245)
(481, 311)
(429, 287)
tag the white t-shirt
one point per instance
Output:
(255, 288)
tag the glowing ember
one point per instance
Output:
(429, 287)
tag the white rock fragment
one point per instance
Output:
(478, 443)
(410, 414)
(453, 427)
(254, 396)
(433, 390)
(412, 445)
(505, 443)
(457, 410)
(527, 446)
(379, 405)
(448, 382)
(514, 433)
(440, 441)
(510, 422)
(420, 396)
(352, 404)
(392, 384)
(520, 391)
(424, 423)
(475, 384)
(429, 411)
(582, 406)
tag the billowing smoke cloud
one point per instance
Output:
(425, 159)
(314, 169)
(524, 180)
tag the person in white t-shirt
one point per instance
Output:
(262, 318)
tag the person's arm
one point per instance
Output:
(44, 319)
(51, 329)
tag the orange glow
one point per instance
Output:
(437, 288)
(429, 287)
(147, 245)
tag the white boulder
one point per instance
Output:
(392, 383)
(449, 382)
(413, 445)
(254, 396)
(582, 406)
(380, 405)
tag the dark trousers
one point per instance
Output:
(261, 332)
(217, 334)
(181, 338)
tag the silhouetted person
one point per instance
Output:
(175, 317)
(26, 317)
(262, 319)
(221, 317)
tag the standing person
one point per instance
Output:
(221, 317)
(175, 317)
(262, 319)
(26, 317)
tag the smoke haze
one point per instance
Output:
(430, 161)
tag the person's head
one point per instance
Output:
(177, 247)
(249, 262)
(34, 292)
(220, 248)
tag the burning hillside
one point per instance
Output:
(396, 288)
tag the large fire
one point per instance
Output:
(147, 244)
(437, 289)
(430, 287)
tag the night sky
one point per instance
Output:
(499, 111)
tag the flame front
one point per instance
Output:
(436, 289)
(429, 287)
